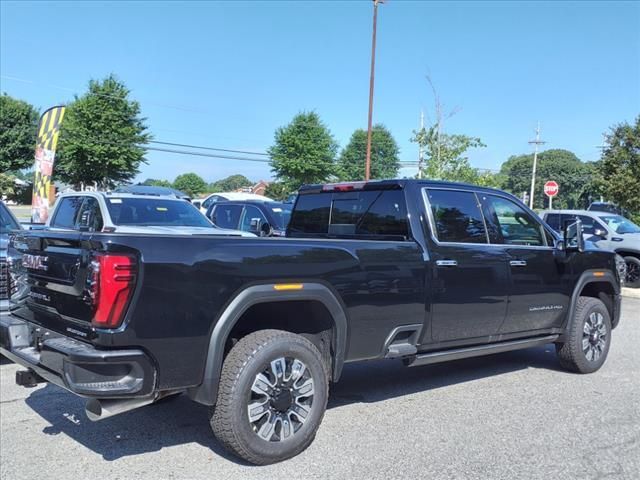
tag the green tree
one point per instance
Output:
(7, 185)
(277, 191)
(563, 166)
(102, 136)
(18, 125)
(190, 183)
(384, 155)
(230, 183)
(153, 182)
(619, 169)
(445, 155)
(303, 152)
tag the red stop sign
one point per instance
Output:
(551, 188)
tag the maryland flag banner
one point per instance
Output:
(48, 130)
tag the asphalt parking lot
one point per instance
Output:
(513, 415)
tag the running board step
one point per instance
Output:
(477, 351)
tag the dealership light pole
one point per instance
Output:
(535, 142)
(367, 170)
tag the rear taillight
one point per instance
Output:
(111, 283)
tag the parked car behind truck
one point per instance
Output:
(130, 213)
(608, 231)
(257, 327)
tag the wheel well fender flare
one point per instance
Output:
(587, 277)
(206, 393)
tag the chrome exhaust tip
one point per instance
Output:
(97, 409)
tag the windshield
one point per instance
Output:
(7, 222)
(620, 224)
(281, 214)
(155, 212)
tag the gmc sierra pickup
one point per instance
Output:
(257, 328)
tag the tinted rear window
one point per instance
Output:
(155, 212)
(368, 213)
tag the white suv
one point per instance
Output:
(608, 231)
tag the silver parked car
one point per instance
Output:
(608, 231)
(131, 213)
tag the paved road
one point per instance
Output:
(513, 415)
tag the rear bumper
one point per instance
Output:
(76, 366)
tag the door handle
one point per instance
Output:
(446, 263)
(518, 263)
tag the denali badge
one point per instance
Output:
(40, 296)
(35, 262)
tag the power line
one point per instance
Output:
(208, 148)
(105, 95)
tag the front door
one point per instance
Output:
(539, 291)
(470, 277)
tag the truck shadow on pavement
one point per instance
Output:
(180, 421)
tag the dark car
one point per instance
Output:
(607, 207)
(265, 219)
(257, 328)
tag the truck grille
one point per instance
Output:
(4, 279)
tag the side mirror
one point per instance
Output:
(266, 230)
(600, 232)
(573, 239)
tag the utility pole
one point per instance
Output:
(367, 170)
(420, 147)
(535, 142)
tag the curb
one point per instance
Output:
(631, 292)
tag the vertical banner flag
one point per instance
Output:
(48, 130)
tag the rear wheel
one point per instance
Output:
(272, 396)
(632, 279)
(587, 344)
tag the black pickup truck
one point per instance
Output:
(257, 328)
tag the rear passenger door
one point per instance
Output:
(470, 278)
(538, 286)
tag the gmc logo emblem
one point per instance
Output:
(35, 262)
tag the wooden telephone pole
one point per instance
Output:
(367, 171)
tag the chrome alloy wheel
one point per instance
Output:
(281, 399)
(594, 336)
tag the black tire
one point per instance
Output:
(632, 279)
(251, 356)
(588, 337)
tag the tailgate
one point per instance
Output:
(55, 267)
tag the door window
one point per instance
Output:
(510, 224)
(456, 216)
(251, 213)
(67, 212)
(227, 216)
(553, 220)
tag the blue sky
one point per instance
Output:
(227, 74)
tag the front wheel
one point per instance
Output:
(588, 337)
(632, 279)
(272, 397)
